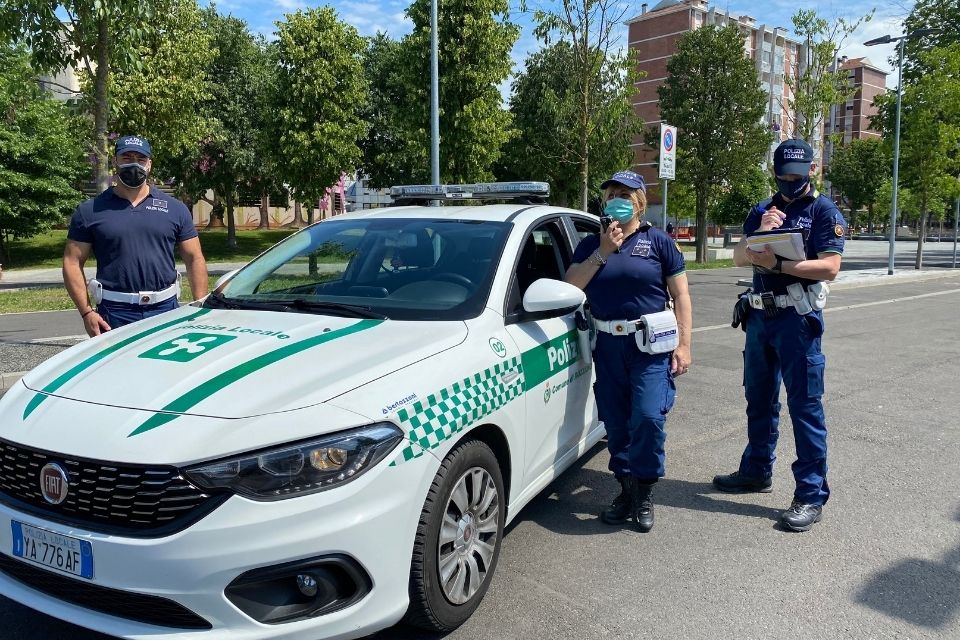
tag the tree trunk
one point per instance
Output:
(312, 260)
(4, 250)
(264, 211)
(101, 108)
(918, 263)
(216, 213)
(231, 221)
(701, 223)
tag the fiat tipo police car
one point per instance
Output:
(331, 442)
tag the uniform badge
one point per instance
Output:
(838, 229)
(642, 249)
(677, 245)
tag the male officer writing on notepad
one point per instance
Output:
(132, 229)
(783, 326)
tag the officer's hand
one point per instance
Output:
(772, 219)
(681, 361)
(765, 258)
(611, 240)
(94, 324)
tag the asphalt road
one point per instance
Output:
(884, 563)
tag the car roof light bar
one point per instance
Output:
(478, 191)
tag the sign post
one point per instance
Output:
(668, 161)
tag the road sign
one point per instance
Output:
(668, 151)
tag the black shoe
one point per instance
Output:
(736, 483)
(622, 506)
(643, 507)
(801, 516)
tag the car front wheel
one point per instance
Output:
(458, 539)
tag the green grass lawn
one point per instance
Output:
(51, 298)
(714, 264)
(46, 250)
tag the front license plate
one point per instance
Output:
(52, 550)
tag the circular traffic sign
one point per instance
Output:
(668, 140)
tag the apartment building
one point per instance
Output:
(851, 120)
(653, 35)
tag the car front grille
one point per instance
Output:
(138, 501)
(122, 604)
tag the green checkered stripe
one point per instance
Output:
(431, 421)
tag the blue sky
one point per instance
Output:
(370, 16)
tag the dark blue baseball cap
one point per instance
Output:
(627, 179)
(792, 157)
(133, 143)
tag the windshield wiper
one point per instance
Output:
(353, 310)
(222, 302)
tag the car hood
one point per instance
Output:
(235, 364)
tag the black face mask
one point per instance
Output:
(132, 175)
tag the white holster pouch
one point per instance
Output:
(95, 289)
(658, 332)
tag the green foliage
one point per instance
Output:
(544, 107)
(712, 94)
(475, 39)
(41, 154)
(99, 38)
(594, 112)
(817, 86)
(733, 205)
(319, 95)
(391, 154)
(928, 14)
(857, 171)
(165, 100)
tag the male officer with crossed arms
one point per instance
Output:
(132, 229)
(784, 323)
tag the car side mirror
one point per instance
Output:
(547, 298)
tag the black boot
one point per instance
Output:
(622, 506)
(643, 506)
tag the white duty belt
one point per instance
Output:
(618, 327)
(142, 298)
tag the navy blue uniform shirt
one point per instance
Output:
(813, 212)
(134, 245)
(633, 282)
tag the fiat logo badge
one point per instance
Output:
(54, 483)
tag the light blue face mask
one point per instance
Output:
(620, 209)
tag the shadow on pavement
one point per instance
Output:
(922, 592)
(572, 503)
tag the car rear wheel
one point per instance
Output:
(458, 539)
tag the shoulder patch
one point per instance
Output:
(838, 230)
(677, 245)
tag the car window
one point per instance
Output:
(585, 228)
(401, 268)
(544, 255)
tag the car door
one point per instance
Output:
(556, 373)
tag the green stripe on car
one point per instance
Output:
(200, 393)
(100, 355)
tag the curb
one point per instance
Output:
(880, 280)
(7, 380)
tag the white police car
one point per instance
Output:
(333, 441)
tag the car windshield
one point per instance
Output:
(402, 269)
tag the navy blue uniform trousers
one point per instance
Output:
(786, 348)
(634, 392)
(118, 314)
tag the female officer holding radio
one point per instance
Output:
(632, 269)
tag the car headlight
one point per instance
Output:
(302, 468)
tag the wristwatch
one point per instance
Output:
(778, 267)
(597, 259)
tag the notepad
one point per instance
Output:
(788, 244)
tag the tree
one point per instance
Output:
(547, 148)
(928, 14)
(97, 38)
(818, 84)
(475, 39)
(319, 95)
(41, 154)
(590, 28)
(930, 131)
(857, 171)
(712, 94)
(733, 204)
(167, 99)
(388, 156)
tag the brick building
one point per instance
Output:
(851, 120)
(653, 35)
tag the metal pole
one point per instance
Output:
(896, 161)
(665, 183)
(956, 227)
(434, 98)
